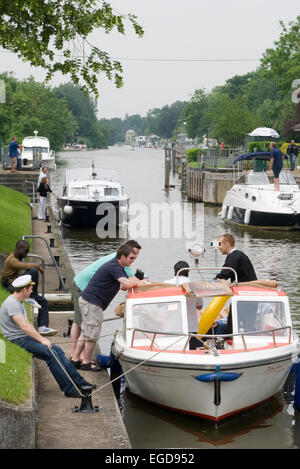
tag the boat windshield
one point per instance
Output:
(261, 316)
(285, 177)
(257, 178)
(79, 192)
(38, 149)
(158, 317)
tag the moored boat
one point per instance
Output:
(36, 153)
(253, 202)
(227, 374)
(90, 197)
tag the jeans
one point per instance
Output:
(43, 314)
(292, 161)
(42, 352)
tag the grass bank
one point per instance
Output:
(15, 363)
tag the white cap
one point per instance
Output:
(22, 281)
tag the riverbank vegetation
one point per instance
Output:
(15, 362)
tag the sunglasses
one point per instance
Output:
(132, 257)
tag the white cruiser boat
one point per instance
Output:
(229, 375)
(92, 196)
(36, 153)
(253, 202)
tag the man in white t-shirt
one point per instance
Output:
(193, 305)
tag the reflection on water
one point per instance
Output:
(274, 255)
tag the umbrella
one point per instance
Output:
(264, 132)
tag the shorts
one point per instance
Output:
(92, 317)
(276, 172)
(76, 293)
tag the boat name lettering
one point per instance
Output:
(257, 293)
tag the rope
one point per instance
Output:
(74, 384)
(123, 374)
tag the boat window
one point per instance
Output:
(111, 191)
(158, 317)
(285, 177)
(257, 178)
(78, 192)
(261, 316)
(27, 150)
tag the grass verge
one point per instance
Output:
(15, 362)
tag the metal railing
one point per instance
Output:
(33, 194)
(54, 263)
(212, 336)
(36, 256)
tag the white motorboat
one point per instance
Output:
(92, 196)
(253, 202)
(230, 374)
(36, 153)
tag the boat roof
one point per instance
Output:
(241, 290)
(35, 141)
(90, 175)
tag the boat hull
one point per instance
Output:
(264, 220)
(178, 389)
(87, 214)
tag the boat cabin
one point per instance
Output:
(157, 318)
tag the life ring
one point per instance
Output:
(210, 313)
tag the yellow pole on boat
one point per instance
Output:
(210, 313)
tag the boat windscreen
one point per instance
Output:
(285, 177)
(159, 317)
(257, 178)
(261, 316)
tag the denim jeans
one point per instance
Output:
(42, 352)
(43, 314)
(292, 161)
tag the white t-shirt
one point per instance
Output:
(192, 304)
(11, 307)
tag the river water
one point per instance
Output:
(275, 255)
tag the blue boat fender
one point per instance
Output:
(218, 375)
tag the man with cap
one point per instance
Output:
(13, 267)
(17, 329)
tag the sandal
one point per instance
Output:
(89, 367)
(76, 364)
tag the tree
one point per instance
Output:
(37, 29)
(33, 106)
(283, 62)
(196, 116)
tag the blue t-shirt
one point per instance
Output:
(276, 153)
(82, 279)
(13, 149)
(104, 285)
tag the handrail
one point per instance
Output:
(213, 336)
(33, 190)
(209, 269)
(62, 283)
(43, 266)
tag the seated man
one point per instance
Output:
(194, 305)
(18, 330)
(12, 268)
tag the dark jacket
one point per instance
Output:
(292, 150)
(43, 189)
(241, 263)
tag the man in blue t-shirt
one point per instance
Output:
(13, 154)
(81, 281)
(276, 163)
(96, 297)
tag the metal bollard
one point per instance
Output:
(56, 260)
(86, 402)
(60, 283)
(49, 228)
(52, 243)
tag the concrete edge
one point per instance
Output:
(18, 423)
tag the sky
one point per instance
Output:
(187, 45)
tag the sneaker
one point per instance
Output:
(43, 330)
(33, 303)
